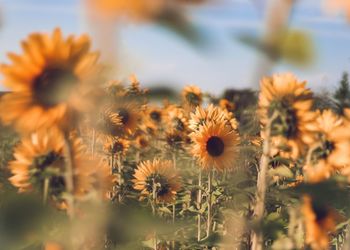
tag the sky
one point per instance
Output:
(157, 56)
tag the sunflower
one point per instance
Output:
(107, 124)
(51, 245)
(215, 145)
(103, 178)
(202, 116)
(160, 175)
(325, 156)
(141, 141)
(192, 96)
(136, 10)
(320, 220)
(227, 105)
(176, 118)
(47, 81)
(339, 5)
(289, 102)
(116, 145)
(175, 139)
(129, 115)
(154, 115)
(40, 158)
(211, 114)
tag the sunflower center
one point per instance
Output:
(54, 86)
(286, 121)
(215, 146)
(124, 115)
(193, 98)
(117, 147)
(155, 116)
(44, 161)
(160, 182)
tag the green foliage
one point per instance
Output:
(342, 93)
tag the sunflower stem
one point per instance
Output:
(69, 175)
(120, 178)
(46, 189)
(199, 205)
(153, 203)
(209, 203)
(257, 238)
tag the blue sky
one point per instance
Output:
(156, 55)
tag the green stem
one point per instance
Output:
(69, 175)
(46, 189)
(259, 210)
(209, 219)
(120, 178)
(199, 205)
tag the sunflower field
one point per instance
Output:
(91, 160)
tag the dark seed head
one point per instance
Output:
(53, 86)
(215, 146)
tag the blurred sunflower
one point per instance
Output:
(192, 96)
(108, 124)
(320, 220)
(174, 139)
(176, 118)
(40, 158)
(129, 114)
(283, 97)
(103, 178)
(141, 141)
(139, 10)
(116, 145)
(325, 155)
(160, 175)
(154, 115)
(47, 81)
(339, 5)
(215, 145)
(51, 245)
(227, 105)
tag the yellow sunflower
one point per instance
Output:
(108, 124)
(202, 116)
(141, 141)
(215, 145)
(129, 114)
(211, 114)
(192, 96)
(320, 220)
(104, 180)
(40, 158)
(325, 155)
(136, 10)
(159, 174)
(176, 118)
(226, 104)
(47, 81)
(283, 97)
(154, 115)
(116, 145)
